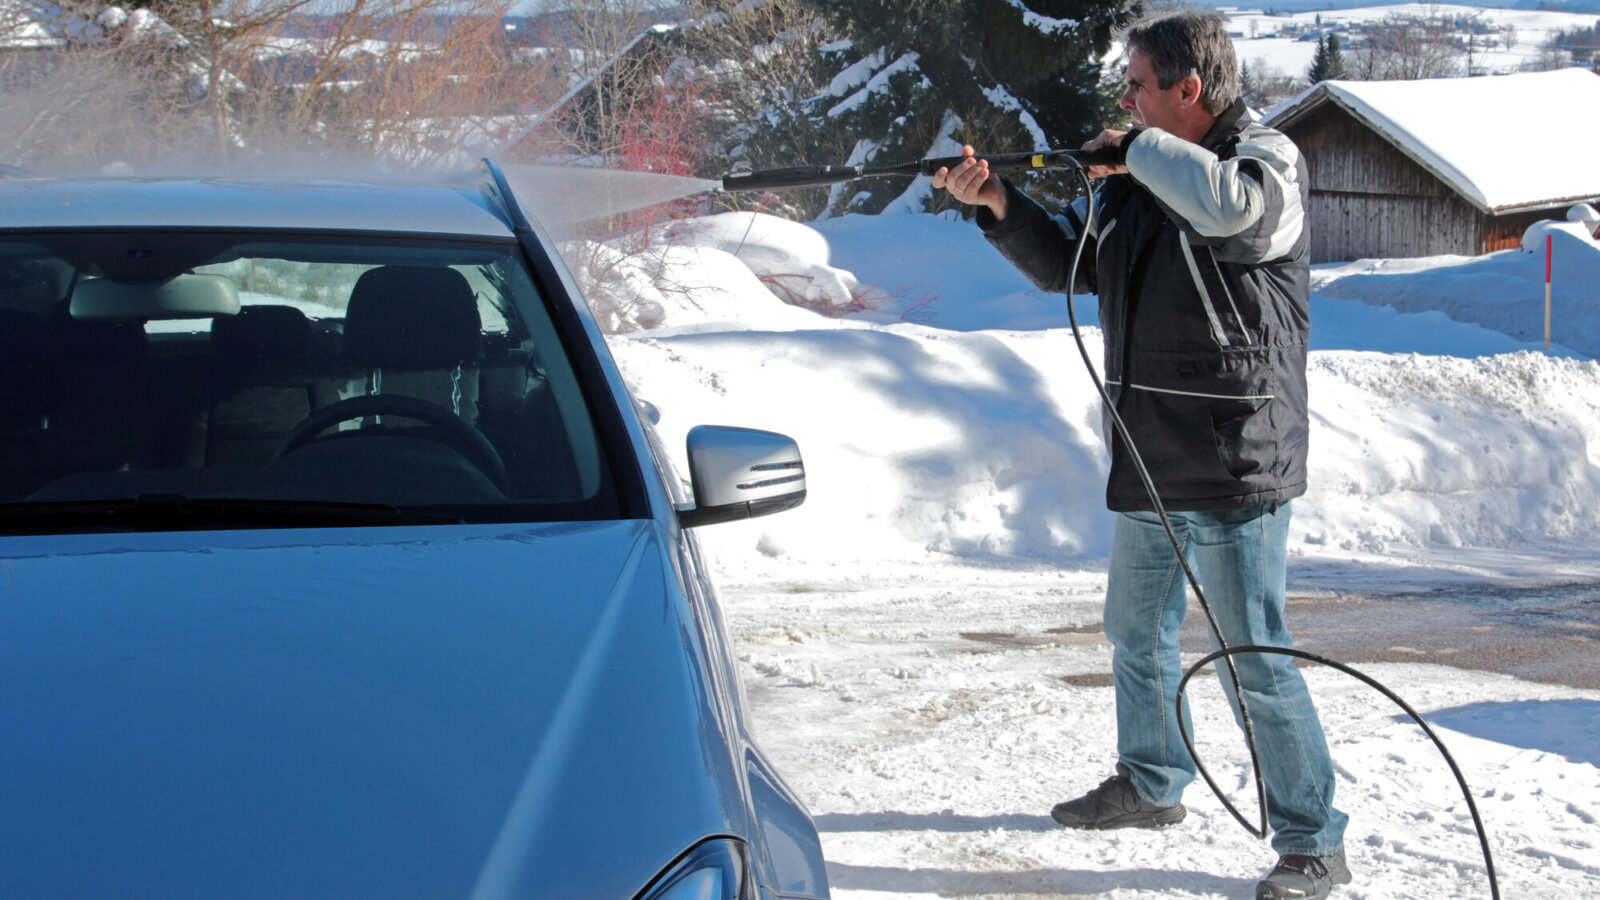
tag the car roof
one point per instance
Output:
(457, 208)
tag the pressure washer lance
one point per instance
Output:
(815, 176)
(1081, 161)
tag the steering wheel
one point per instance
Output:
(455, 432)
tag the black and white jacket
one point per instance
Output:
(1200, 258)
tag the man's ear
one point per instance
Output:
(1189, 89)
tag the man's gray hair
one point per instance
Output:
(1186, 42)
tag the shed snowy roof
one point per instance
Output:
(1503, 142)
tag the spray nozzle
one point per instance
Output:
(814, 176)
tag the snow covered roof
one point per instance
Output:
(1505, 142)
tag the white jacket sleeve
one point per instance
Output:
(1250, 204)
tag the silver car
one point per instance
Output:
(337, 561)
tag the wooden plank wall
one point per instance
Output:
(1370, 200)
(1504, 232)
(1374, 226)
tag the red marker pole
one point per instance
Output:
(1548, 251)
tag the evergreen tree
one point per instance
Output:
(1250, 86)
(1328, 64)
(917, 78)
(1336, 68)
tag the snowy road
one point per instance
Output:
(930, 715)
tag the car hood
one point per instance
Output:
(472, 710)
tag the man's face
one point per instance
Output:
(1150, 104)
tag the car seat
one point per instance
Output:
(417, 330)
(263, 383)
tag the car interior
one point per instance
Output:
(280, 368)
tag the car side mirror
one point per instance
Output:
(741, 473)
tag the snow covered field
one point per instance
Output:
(921, 638)
(1257, 43)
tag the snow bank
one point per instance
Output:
(982, 444)
(727, 272)
(916, 440)
(1422, 451)
(1502, 291)
(790, 259)
(987, 445)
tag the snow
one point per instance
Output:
(921, 641)
(1004, 99)
(1044, 24)
(1502, 292)
(855, 74)
(914, 199)
(875, 84)
(1255, 39)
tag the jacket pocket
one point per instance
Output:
(1243, 435)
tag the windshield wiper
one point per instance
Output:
(175, 512)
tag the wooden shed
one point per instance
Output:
(1444, 166)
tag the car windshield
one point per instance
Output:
(198, 379)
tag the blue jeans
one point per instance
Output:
(1240, 559)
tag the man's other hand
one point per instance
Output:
(972, 183)
(1108, 138)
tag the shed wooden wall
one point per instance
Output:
(1369, 200)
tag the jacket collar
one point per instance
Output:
(1225, 126)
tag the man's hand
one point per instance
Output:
(971, 182)
(1107, 138)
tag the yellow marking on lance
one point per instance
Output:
(1038, 160)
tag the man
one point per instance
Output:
(1198, 251)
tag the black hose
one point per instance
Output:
(1227, 653)
(1483, 839)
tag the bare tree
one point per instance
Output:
(1263, 84)
(403, 80)
(222, 81)
(94, 91)
(1548, 61)
(763, 58)
(76, 110)
(616, 56)
(1408, 46)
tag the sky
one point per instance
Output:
(920, 640)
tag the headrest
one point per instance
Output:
(259, 332)
(88, 341)
(412, 317)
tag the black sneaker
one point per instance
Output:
(1115, 804)
(1299, 877)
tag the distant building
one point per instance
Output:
(1443, 166)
